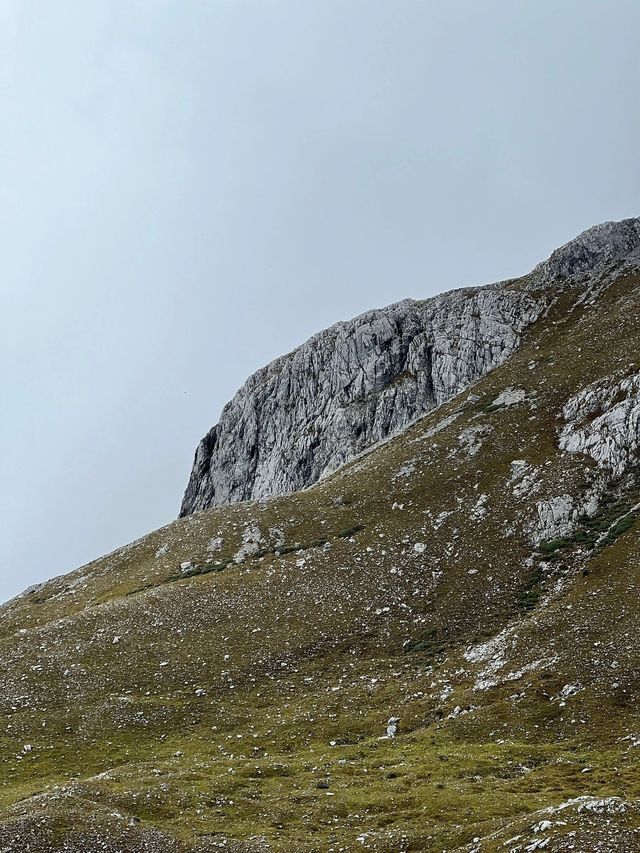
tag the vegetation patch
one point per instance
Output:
(554, 545)
(426, 642)
(350, 531)
(204, 569)
(529, 594)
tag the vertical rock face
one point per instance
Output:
(361, 381)
(348, 387)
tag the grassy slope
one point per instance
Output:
(247, 704)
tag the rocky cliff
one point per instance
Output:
(359, 382)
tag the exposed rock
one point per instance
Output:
(392, 726)
(523, 479)
(470, 439)
(362, 381)
(509, 397)
(555, 518)
(251, 541)
(603, 421)
(558, 517)
(234, 670)
(353, 385)
(593, 251)
(215, 544)
(479, 510)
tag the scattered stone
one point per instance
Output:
(392, 726)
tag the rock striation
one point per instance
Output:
(353, 385)
(593, 252)
(603, 421)
(361, 381)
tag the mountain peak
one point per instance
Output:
(593, 249)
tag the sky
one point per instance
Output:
(189, 188)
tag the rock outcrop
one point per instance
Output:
(593, 252)
(353, 385)
(359, 382)
(603, 421)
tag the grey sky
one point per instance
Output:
(188, 189)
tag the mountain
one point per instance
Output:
(434, 646)
(360, 382)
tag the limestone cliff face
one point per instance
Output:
(593, 252)
(349, 387)
(361, 381)
(603, 421)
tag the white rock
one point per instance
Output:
(351, 386)
(510, 397)
(603, 422)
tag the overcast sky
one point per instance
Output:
(189, 189)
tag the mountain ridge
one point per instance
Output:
(363, 380)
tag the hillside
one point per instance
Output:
(226, 682)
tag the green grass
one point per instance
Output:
(529, 594)
(347, 532)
